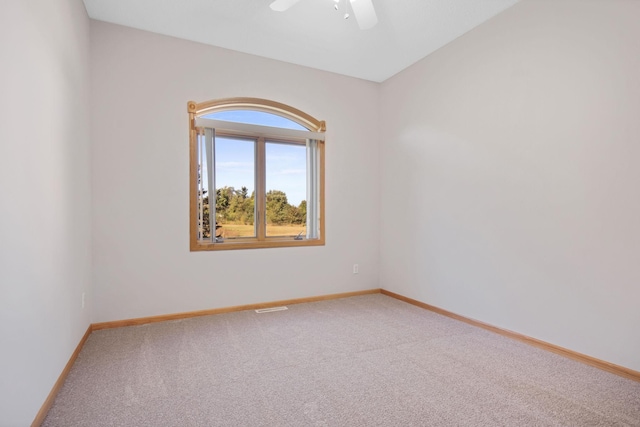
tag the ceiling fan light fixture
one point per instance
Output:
(363, 10)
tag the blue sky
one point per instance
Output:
(255, 118)
(286, 164)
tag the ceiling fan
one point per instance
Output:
(362, 9)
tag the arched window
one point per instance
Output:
(256, 175)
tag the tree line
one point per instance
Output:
(238, 207)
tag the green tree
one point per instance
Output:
(243, 192)
(223, 197)
(277, 207)
(302, 213)
(247, 213)
(203, 202)
(237, 206)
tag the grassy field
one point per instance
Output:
(241, 230)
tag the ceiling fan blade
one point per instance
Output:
(282, 5)
(365, 13)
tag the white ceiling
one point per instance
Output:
(311, 33)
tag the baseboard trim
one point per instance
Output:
(189, 314)
(592, 361)
(574, 355)
(42, 413)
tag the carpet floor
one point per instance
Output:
(361, 361)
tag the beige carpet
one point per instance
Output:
(361, 361)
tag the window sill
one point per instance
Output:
(264, 244)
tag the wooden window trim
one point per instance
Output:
(260, 242)
(256, 104)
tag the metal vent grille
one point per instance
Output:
(269, 310)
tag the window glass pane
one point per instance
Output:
(204, 230)
(286, 184)
(255, 118)
(235, 187)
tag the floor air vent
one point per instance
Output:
(269, 310)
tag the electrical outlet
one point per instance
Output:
(83, 300)
(355, 269)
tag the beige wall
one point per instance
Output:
(142, 264)
(515, 150)
(45, 204)
(499, 183)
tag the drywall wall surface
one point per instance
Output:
(141, 83)
(45, 206)
(513, 152)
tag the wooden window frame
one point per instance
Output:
(256, 104)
